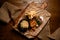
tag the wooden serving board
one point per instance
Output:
(44, 15)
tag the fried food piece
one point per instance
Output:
(33, 23)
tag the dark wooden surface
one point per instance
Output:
(6, 32)
(54, 9)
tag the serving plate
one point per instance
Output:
(44, 16)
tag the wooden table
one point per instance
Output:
(53, 7)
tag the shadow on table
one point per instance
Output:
(3, 23)
(21, 35)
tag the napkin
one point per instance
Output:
(14, 11)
